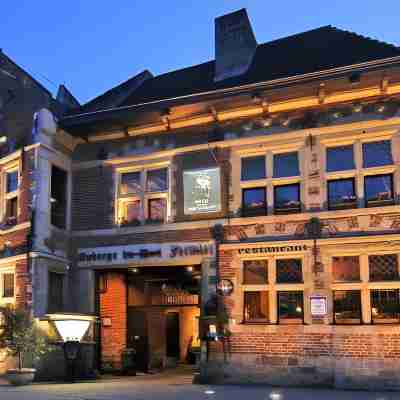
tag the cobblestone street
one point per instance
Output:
(174, 385)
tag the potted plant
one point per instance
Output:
(21, 337)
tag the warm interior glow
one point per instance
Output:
(72, 330)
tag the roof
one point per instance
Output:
(312, 51)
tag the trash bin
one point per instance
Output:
(129, 362)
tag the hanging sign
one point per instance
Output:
(319, 306)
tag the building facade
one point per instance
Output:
(245, 209)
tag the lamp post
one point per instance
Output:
(71, 328)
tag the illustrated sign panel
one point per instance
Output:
(319, 306)
(202, 191)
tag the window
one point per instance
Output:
(383, 267)
(341, 194)
(58, 199)
(130, 183)
(290, 307)
(346, 269)
(254, 202)
(255, 272)
(12, 181)
(287, 198)
(347, 307)
(256, 306)
(339, 158)
(286, 165)
(157, 210)
(289, 271)
(385, 306)
(56, 291)
(11, 197)
(253, 168)
(8, 285)
(143, 197)
(379, 190)
(157, 180)
(376, 154)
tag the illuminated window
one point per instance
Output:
(8, 285)
(255, 272)
(339, 158)
(253, 168)
(376, 154)
(385, 306)
(143, 203)
(286, 165)
(157, 210)
(341, 194)
(256, 306)
(347, 306)
(379, 190)
(346, 269)
(290, 307)
(254, 202)
(287, 199)
(157, 180)
(130, 183)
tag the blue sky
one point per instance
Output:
(93, 45)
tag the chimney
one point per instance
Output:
(235, 45)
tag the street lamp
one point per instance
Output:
(71, 328)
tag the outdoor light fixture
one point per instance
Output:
(134, 270)
(189, 269)
(72, 329)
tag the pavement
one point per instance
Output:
(177, 385)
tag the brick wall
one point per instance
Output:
(113, 306)
(343, 357)
(23, 279)
(92, 198)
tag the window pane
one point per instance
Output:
(290, 307)
(254, 202)
(339, 158)
(383, 267)
(157, 180)
(286, 165)
(255, 272)
(377, 153)
(341, 194)
(12, 210)
(347, 306)
(157, 209)
(379, 190)
(287, 198)
(131, 212)
(8, 285)
(58, 200)
(346, 269)
(130, 183)
(12, 181)
(289, 271)
(253, 168)
(55, 292)
(385, 306)
(256, 306)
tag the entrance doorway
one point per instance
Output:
(138, 337)
(172, 335)
(163, 304)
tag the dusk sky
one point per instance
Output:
(93, 45)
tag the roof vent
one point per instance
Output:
(235, 45)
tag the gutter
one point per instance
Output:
(281, 82)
